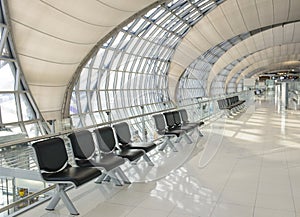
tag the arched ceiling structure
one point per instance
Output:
(234, 17)
(54, 38)
(271, 53)
(274, 37)
(285, 61)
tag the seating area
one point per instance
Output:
(52, 159)
(175, 124)
(231, 105)
(99, 154)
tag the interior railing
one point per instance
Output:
(21, 184)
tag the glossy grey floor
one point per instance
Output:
(254, 173)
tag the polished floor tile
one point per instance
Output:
(248, 166)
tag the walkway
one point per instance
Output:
(255, 173)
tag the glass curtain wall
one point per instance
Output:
(19, 116)
(128, 75)
(192, 83)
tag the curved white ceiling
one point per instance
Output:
(280, 35)
(52, 37)
(272, 53)
(229, 19)
(285, 60)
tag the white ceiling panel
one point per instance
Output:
(296, 36)
(281, 10)
(277, 35)
(283, 50)
(277, 49)
(291, 48)
(208, 31)
(265, 12)
(46, 106)
(220, 23)
(185, 53)
(175, 68)
(109, 16)
(226, 59)
(250, 14)
(268, 37)
(269, 53)
(250, 44)
(128, 5)
(294, 9)
(54, 23)
(233, 15)
(259, 41)
(46, 73)
(198, 40)
(288, 33)
(242, 48)
(31, 43)
(234, 54)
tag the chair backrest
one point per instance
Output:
(177, 118)
(170, 119)
(220, 104)
(106, 139)
(82, 144)
(51, 154)
(159, 122)
(184, 116)
(123, 133)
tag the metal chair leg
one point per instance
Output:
(148, 160)
(61, 194)
(187, 138)
(166, 143)
(101, 178)
(199, 132)
(122, 175)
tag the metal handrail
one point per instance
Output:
(14, 204)
(14, 160)
(64, 132)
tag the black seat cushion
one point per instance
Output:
(146, 146)
(194, 124)
(106, 161)
(187, 127)
(76, 175)
(130, 154)
(176, 132)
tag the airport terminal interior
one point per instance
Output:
(182, 108)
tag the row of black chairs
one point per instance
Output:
(231, 105)
(175, 124)
(100, 154)
(52, 158)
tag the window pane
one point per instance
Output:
(27, 112)
(7, 80)
(8, 108)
